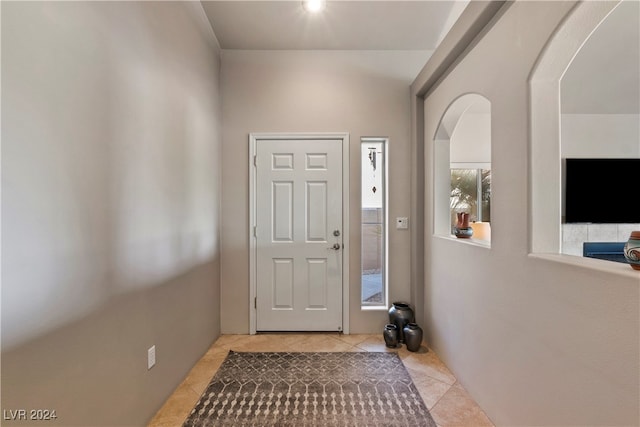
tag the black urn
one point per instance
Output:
(400, 314)
(413, 336)
(390, 335)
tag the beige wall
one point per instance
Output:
(110, 205)
(536, 340)
(471, 139)
(363, 93)
(600, 135)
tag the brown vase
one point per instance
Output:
(465, 220)
(462, 229)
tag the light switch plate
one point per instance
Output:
(402, 223)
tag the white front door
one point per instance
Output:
(298, 217)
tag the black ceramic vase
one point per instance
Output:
(413, 336)
(390, 335)
(400, 314)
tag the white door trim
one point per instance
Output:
(253, 141)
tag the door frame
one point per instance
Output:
(254, 139)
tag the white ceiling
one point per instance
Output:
(343, 25)
(603, 78)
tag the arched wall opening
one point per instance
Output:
(462, 152)
(545, 167)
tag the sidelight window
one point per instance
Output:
(374, 222)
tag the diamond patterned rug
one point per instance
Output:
(311, 389)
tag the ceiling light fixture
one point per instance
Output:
(314, 6)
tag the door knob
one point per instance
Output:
(335, 247)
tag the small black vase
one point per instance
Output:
(400, 314)
(413, 336)
(390, 335)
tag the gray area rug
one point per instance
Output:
(311, 389)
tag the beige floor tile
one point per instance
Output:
(216, 351)
(353, 339)
(430, 389)
(428, 364)
(265, 346)
(376, 343)
(322, 343)
(166, 422)
(202, 373)
(294, 342)
(226, 341)
(176, 408)
(457, 408)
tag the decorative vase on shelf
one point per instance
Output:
(632, 250)
(413, 336)
(390, 335)
(400, 314)
(462, 230)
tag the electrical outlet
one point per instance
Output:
(151, 357)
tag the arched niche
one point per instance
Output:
(545, 180)
(462, 141)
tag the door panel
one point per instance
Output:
(316, 212)
(317, 283)
(298, 256)
(282, 205)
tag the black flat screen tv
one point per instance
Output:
(602, 191)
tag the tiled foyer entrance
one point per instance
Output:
(449, 403)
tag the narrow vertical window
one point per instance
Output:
(374, 222)
(471, 193)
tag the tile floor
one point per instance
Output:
(449, 403)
